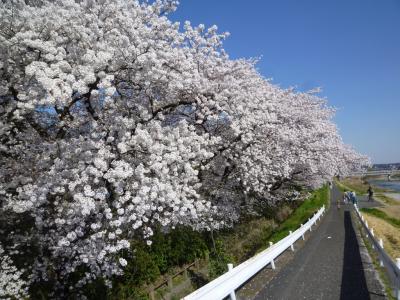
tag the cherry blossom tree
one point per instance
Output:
(114, 119)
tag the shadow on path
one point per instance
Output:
(354, 285)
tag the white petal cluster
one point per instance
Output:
(12, 284)
(115, 120)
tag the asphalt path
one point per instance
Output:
(329, 265)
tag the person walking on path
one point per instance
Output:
(338, 202)
(353, 197)
(346, 197)
(370, 194)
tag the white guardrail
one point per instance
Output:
(392, 268)
(226, 284)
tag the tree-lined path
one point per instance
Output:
(330, 265)
(120, 126)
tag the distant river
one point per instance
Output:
(390, 185)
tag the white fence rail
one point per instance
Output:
(392, 268)
(226, 284)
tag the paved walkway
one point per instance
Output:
(329, 266)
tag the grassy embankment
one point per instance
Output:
(352, 184)
(382, 215)
(385, 219)
(302, 213)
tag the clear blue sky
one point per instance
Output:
(349, 48)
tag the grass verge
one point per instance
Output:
(302, 213)
(382, 215)
(389, 234)
(352, 184)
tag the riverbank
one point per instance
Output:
(384, 219)
(387, 192)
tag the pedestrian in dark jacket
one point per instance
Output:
(370, 194)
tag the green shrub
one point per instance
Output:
(175, 248)
(218, 260)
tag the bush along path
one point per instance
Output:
(330, 265)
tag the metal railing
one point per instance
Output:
(392, 268)
(226, 284)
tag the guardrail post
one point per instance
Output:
(232, 294)
(273, 264)
(272, 261)
(291, 246)
(381, 244)
(302, 236)
(310, 225)
(371, 236)
(366, 224)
